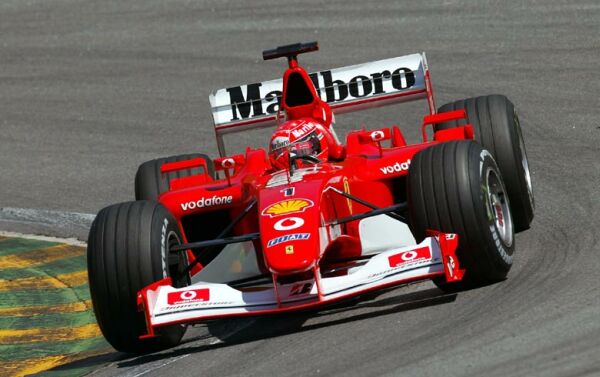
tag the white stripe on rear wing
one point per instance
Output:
(345, 89)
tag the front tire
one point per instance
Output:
(456, 187)
(497, 128)
(128, 249)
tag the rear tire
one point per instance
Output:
(128, 249)
(497, 128)
(456, 187)
(150, 182)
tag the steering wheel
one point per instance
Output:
(307, 158)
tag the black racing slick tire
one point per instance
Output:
(497, 128)
(128, 249)
(456, 187)
(150, 182)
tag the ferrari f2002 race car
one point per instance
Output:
(311, 220)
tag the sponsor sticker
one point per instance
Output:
(228, 163)
(302, 129)
(280, 142)
(301, 289)
(289, 249)
(377, 135)
(286, 207)
(207, 202)
(289, 191)
(288, 237)
(404, 258)
(288, 223)
(347, 191)
(451, 266)
(341, 85)
(396, 168)
(185, 297)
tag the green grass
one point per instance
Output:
(16, 245)
(20, 352)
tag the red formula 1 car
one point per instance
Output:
(312, 220)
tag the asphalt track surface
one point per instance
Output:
(89, 90)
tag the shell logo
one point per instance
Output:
(286, 207)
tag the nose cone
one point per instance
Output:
(292, 252)
(290, 232)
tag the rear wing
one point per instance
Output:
(345, 89)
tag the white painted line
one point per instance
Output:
(155, 367)
(46, 216)
(46, 222)
(245, 324)
(146, 368)
(68, 241)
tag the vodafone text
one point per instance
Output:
(396, 168)
(207, 202)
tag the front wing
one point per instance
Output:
(165, 305)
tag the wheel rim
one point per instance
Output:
(177, 261)
(499, 206)
(525, 163)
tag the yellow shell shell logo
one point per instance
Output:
(287, 206)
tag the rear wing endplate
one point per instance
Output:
(345, 89)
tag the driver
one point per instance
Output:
(302, 138)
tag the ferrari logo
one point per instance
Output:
(285, 207)
(289, 249)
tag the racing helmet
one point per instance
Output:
(299, 137)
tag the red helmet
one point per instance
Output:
(302, 137)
